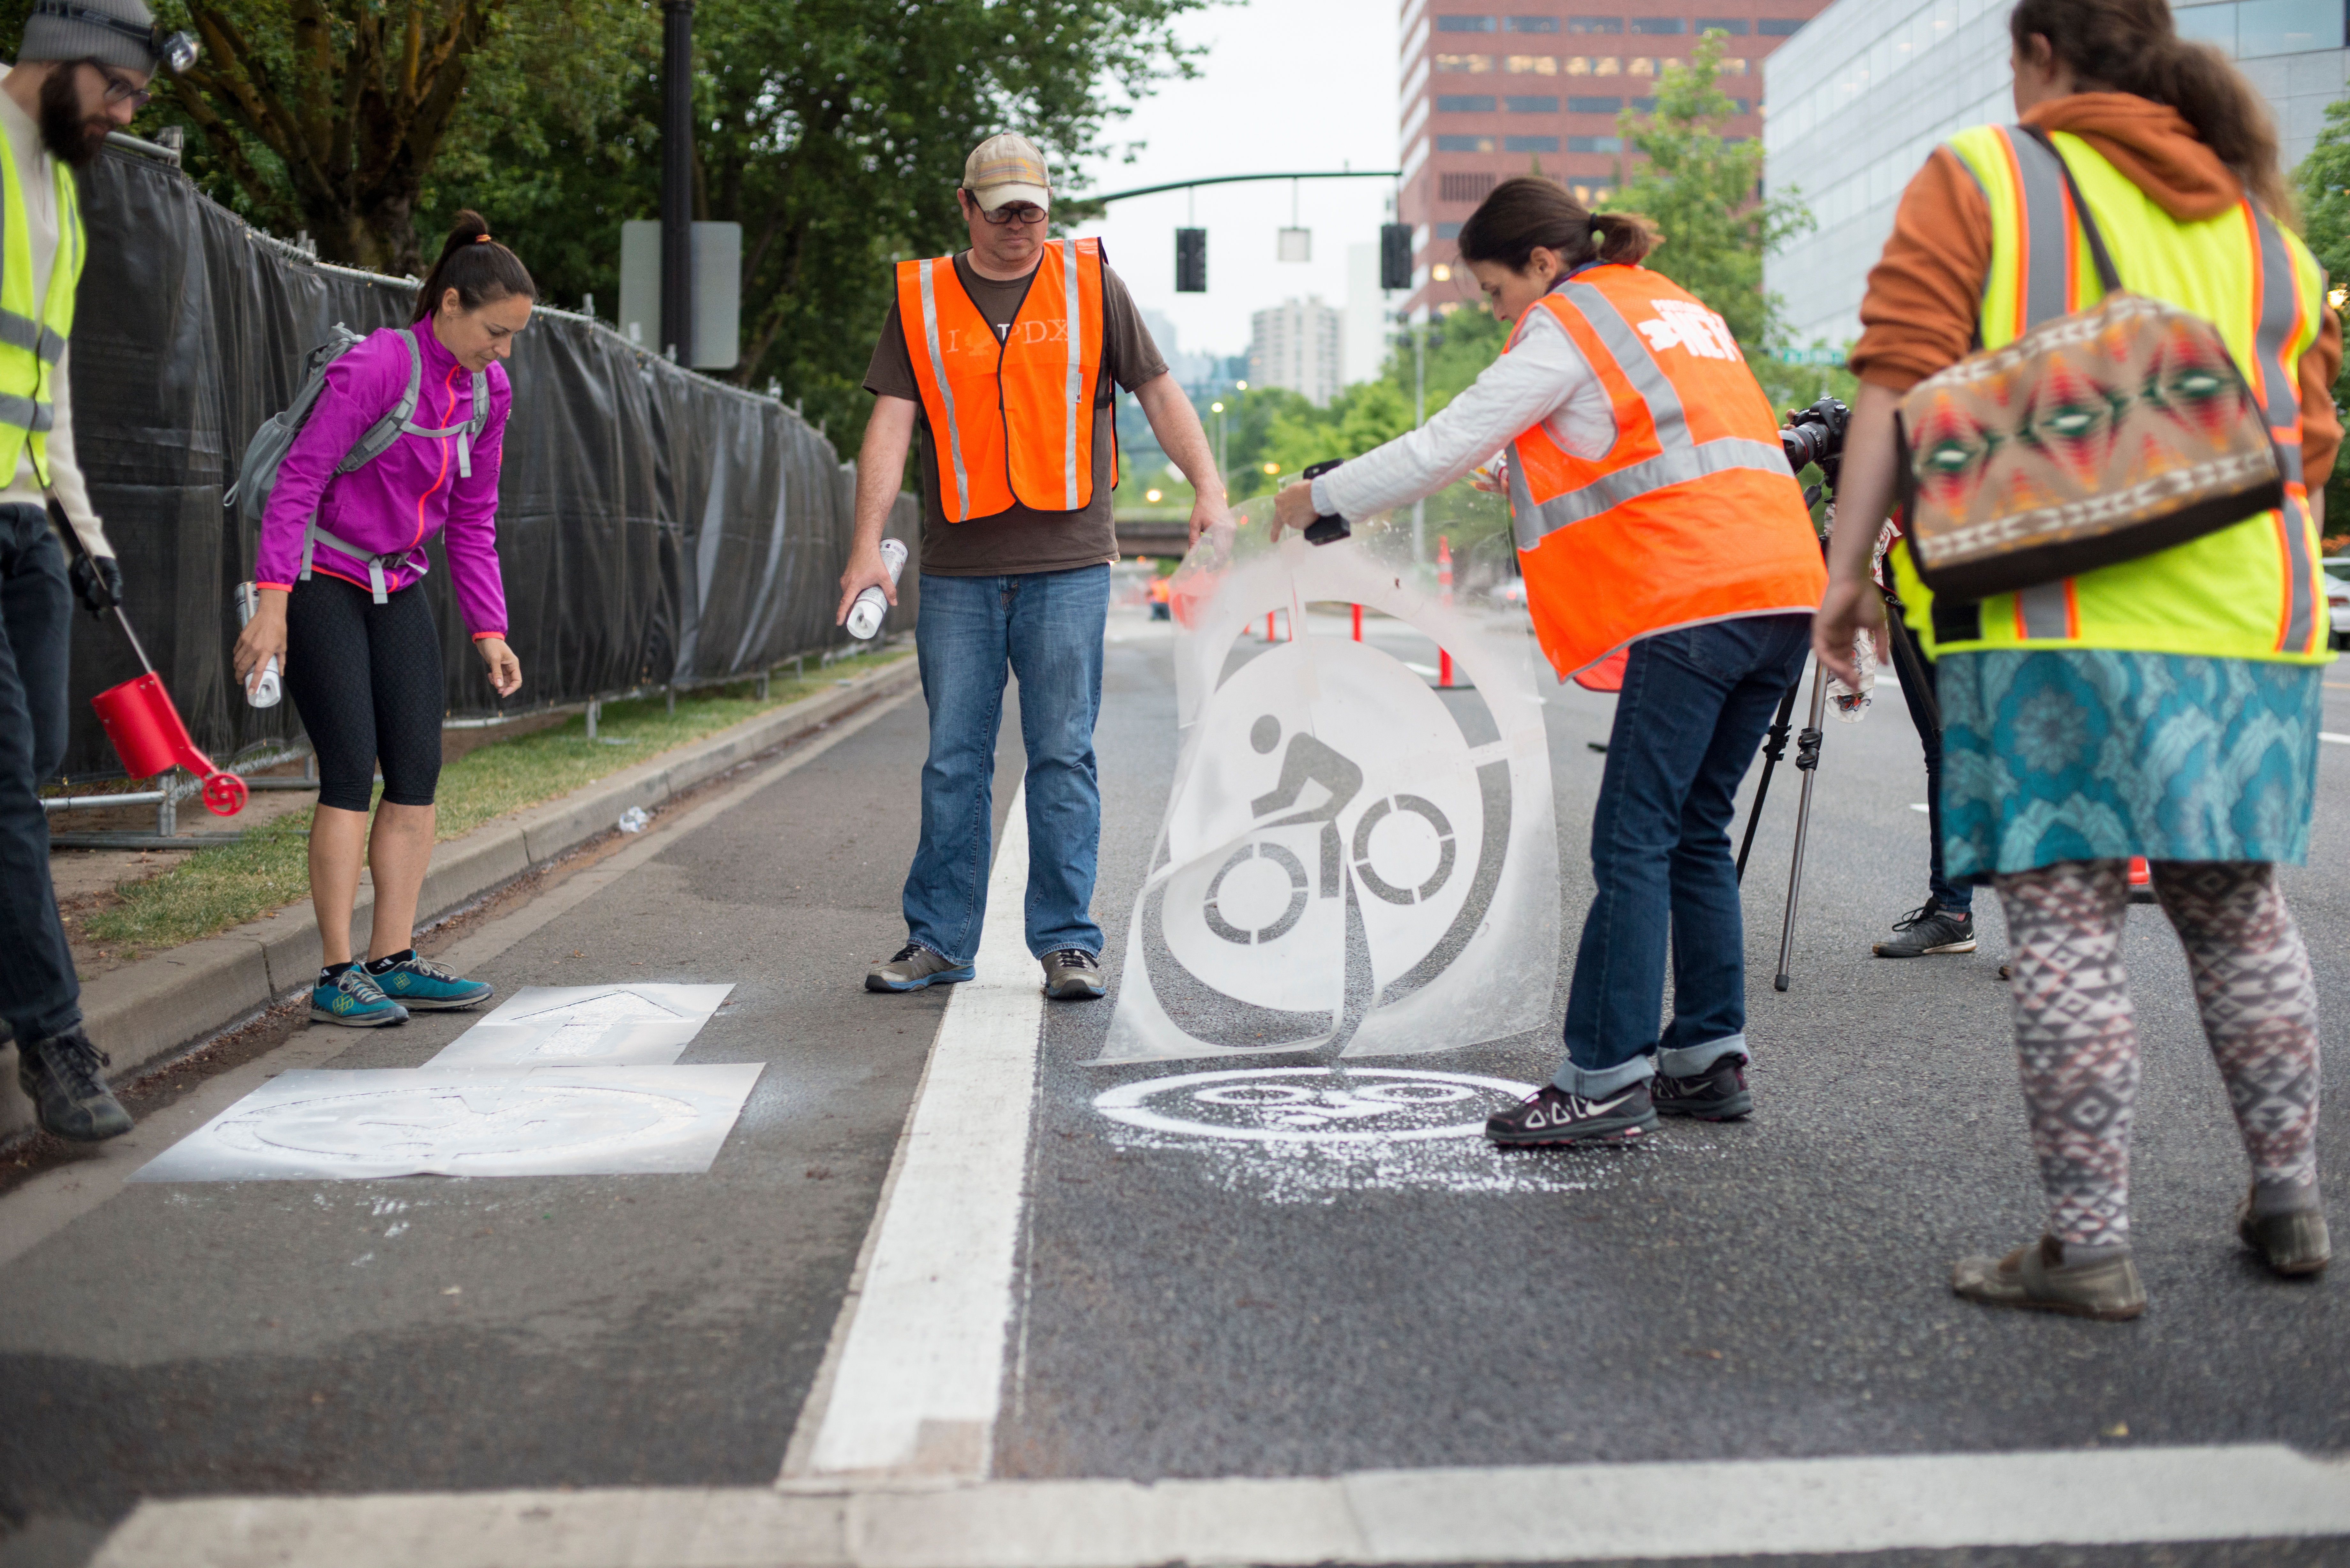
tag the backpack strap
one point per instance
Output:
(311, 536)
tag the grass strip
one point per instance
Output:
(213, 889)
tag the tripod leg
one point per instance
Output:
(1807, 759)
(1775, 746)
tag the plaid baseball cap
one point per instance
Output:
(1007, 168)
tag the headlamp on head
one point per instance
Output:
(173, 52)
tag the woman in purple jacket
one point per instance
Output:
(340, 572)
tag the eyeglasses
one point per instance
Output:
(1012, 212)
(121, 90)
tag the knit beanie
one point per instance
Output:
(50, 36)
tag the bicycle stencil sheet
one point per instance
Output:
(1350, 862)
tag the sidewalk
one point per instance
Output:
(142, 1012)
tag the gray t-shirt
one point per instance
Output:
(1020, 538)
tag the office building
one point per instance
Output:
(1193, 372)
(1299, 346)
(1865, 93)
(1490, 89)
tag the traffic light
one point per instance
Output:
(1395, 255)
(1191, 261)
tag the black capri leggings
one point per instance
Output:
(366, 678)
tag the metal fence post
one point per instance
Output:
(594, 707)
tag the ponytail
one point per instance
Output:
(478, 267)
(2133, 47)
(1528, 211)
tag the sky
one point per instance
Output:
(1286, 85)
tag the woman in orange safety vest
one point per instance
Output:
(1654, 513)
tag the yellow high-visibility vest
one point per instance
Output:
(2251, 590)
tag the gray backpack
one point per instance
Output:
(256, 476)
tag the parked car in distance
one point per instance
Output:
(2337, 602)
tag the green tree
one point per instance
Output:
(329, 116)
(835, 132)
(1705, 190)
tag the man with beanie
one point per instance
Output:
(82, 71)
(1006, 357)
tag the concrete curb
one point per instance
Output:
(151, 1009)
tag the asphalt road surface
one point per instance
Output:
(1182, 1304)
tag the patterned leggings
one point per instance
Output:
(2078, 1033)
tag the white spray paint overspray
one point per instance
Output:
(1345, 862)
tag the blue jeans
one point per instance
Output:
(1692, 712)
(1959, 898)
(1046, 628)
(39, 995)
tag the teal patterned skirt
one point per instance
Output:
(2090, 753)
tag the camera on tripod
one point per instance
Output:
(1817, 435)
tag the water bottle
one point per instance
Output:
(262, 690)
(1848, 703)
(864, 615)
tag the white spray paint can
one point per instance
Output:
(262, 690)
(864, 615)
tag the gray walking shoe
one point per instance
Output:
(1073, 974)
(2294, 1243)
(60, 1075)
(1931, 930)
(2038, 1277)
(914, 967)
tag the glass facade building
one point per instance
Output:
(1862, 97)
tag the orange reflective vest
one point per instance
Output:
(1691, 516)
(1012, 419)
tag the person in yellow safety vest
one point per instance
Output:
(80, 73)
(1006, 357)
(2167, 706)
(1654, 513)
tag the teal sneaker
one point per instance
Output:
(352, 998)
(420, 982)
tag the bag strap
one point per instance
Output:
(2110, 279)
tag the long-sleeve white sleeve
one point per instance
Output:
(1542, 379)
(65, 481)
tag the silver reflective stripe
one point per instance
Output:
(1632, 356)
(1525, 518)
(2042, 607)
(1077, 370)
(25, 413)
(2047, 231)
(2280, 390)
(24, 332)
(1676, 466)
(962, 508)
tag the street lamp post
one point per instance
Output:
(1223, 467)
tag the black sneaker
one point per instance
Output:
(1717, 1094)
(60, 1075)
(1550, 1118)
(1930, 930)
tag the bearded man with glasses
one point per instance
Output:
(82, 72)
(1006, 357)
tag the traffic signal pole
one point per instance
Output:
(677, 180)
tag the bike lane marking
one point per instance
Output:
(1526, 1514)
(49, 1202)
(912, 1380)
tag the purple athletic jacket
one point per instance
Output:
(410, 493)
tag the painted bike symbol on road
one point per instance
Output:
(1312, 1105)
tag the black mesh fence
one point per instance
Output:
(654, 525)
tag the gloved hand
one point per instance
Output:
(97, 581)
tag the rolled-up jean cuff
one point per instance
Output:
(33, 1028)
(1597, 1082)
(1689, 1060)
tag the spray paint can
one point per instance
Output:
(264, 689)
(864, 615)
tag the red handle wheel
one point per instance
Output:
(224, 794)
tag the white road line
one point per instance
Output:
(919, 1373)
(51, 1201)
(2337, 740)
(1533, 1514)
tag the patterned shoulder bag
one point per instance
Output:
(2096, 436)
